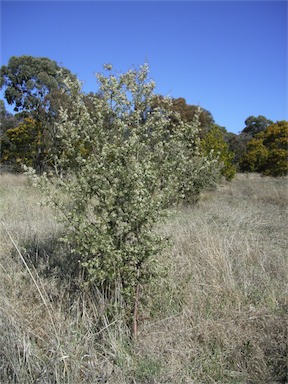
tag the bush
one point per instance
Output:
(123, 163)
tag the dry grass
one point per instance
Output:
(219, 315)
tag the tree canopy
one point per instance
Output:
(7, 120)
(34, 84)
(37, 87)
(19, 145)
(189, 113)
(213, 144)
(267, 152)
(256, 125)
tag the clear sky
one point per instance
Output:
(229, 57)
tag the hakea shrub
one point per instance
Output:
(122, 163)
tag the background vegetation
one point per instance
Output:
(37, 89)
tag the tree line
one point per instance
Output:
(37, 88)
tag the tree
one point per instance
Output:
(36, 87)
(267, 152)
(212, 135)
(213, 144)
(238, 146)
(7, 120)
(133, 164)
(238, 143)
(33, 84)
(19, 145)
(256, 156)
(256, 125)
(188, 112)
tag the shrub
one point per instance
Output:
(123, 164)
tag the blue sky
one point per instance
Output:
(229, 57)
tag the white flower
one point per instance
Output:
(108, 67)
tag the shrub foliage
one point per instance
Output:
(122, 163)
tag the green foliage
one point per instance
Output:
(212, 137)
(267, 152)
(7, 120)
(20, 145)
(256, 157)
(189, 113)
(214, 145)
(36, 87)
(124, 163)
(147, 368)
(33, 84)
(237, 145)
(255, 125)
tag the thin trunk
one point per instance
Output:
(136, 314)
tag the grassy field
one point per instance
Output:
(218, 315)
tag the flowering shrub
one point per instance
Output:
(123, 163)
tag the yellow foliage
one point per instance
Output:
(267, 153)
(214, 145)
(20, 144)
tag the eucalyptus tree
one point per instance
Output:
(256, 125)
(36, 87)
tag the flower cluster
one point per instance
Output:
(124, 162)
